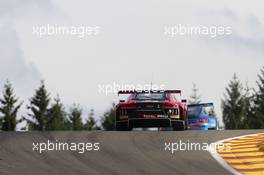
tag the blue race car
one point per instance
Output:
(202, 117)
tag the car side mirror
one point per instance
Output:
(184, 101)
(121, 101)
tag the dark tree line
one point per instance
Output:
(243, 108)
(45, 114)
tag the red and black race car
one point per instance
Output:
(159, 108)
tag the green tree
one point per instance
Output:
(76, 117)
(195, 98)
(233, 105)
(9, 108)
(248, 119)
(259, 102)
(39, 109)
(57, 117)
(108, 119)
(90, 123)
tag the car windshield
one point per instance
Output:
(150, 96)
(194, 111)
(208, 110)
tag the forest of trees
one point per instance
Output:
(47, 114)
(242, 107)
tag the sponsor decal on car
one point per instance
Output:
(155, 116)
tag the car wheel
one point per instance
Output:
(123, 127)
(179, 127)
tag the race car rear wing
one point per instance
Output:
(202, 104)
(151, 91)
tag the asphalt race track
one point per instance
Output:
(135, 152)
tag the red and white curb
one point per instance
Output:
(214, 152)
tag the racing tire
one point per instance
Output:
(212, 129)
(179, 127)
(123, 127)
